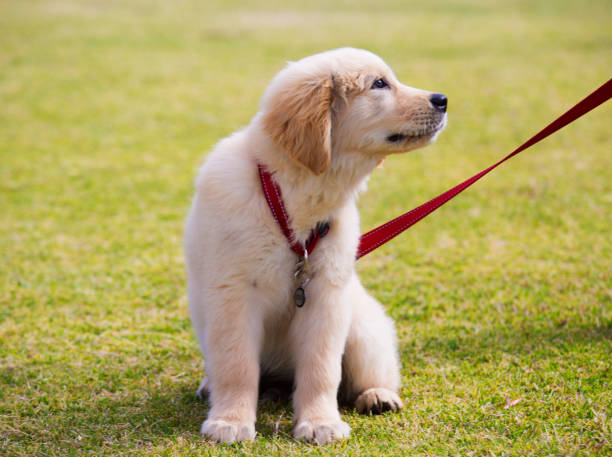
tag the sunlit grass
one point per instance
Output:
(503, 298)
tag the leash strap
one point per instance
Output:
(380, 235)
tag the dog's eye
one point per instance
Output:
(380, 84)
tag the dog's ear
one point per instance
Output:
(298, 118)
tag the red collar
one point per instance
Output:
(274, 198)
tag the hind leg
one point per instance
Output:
(370, 364)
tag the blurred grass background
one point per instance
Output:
(503, 298)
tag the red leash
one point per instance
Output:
(380, 235)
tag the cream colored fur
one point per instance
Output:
(321, 130)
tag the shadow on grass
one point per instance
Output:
(177, 412)
(181, 413)
(169, 411)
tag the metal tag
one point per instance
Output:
(299, 297)
(302, 274)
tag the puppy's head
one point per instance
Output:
(346, 101)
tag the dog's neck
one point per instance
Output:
(310, 198)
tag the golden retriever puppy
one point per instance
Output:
(324, 124)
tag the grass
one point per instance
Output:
(503, 298)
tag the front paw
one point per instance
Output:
(321, 432)
(228, 431)
(377, 400)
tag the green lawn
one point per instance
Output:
(502, 298)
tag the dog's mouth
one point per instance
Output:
(396, 138)
(417, 134)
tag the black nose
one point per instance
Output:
(439, 101)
